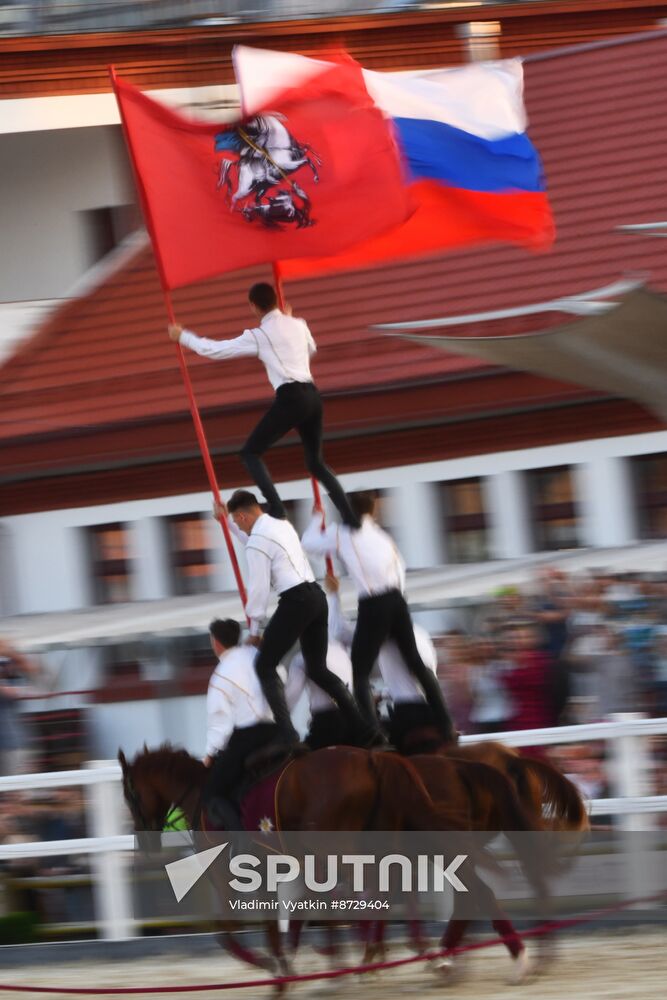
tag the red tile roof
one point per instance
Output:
(101, 380)
(408, 39)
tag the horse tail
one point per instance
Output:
(404, 801)
(508, 812)
(561, 801)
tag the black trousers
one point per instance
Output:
(226, 771)
(297, 406)
(382, 617)
(302, 615)
(328, 728)
(220, 793)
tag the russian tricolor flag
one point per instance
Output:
(474, 173)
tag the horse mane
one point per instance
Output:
(168, 759)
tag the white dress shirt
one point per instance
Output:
(275, 559)
(341, 628)
(369, 554)
(282, 343)
(398, 682)
(338, 662)
(234, 699)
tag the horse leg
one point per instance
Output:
(417, 940)
(294, 934)
(311, 164)
(451, 938)
(227, 940)
(282, 964)
(375, 950)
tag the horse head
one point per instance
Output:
(156, 780)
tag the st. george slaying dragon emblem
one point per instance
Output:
(256, 176)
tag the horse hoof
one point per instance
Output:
(523, 968)
(443, 967)
(285, 968)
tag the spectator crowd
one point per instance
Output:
(567, 650)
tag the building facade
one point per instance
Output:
(104, 500)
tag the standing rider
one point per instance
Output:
(284, 345)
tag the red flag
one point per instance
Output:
(312, 175)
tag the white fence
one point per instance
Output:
(109, 847)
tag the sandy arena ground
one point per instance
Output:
(613, 965)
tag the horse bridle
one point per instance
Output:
(135, 806)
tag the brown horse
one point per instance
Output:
(491, 805)
(494, 807)
(551, 800)
(339, 788)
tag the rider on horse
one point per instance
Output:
(239, 722)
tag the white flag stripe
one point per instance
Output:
(484, 99)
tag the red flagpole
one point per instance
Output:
(316, 486)
(205, 454)
(194, 410)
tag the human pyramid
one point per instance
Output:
(248, 705)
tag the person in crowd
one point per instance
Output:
(492, 707)
(602, 673)
(15, 669)
(528, 681)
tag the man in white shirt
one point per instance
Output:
(408, 708)
(327, 724)
(284, 346)
(239, 720)
(276, 560)
(378, 571)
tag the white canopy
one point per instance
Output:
(438, 588)
(617, 347)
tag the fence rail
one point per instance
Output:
(627, 734)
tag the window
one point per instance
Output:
(111, 563)
(650, 481)
(554, 508)
(104, 228)
(465, 521)
(189, 547)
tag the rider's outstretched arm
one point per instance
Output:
(220, 350)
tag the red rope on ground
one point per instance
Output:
(546, 928)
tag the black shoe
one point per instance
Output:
(380, 742)
(372, 738)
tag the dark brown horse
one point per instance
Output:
(548, 801)
(339, 788)
(492, 806)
